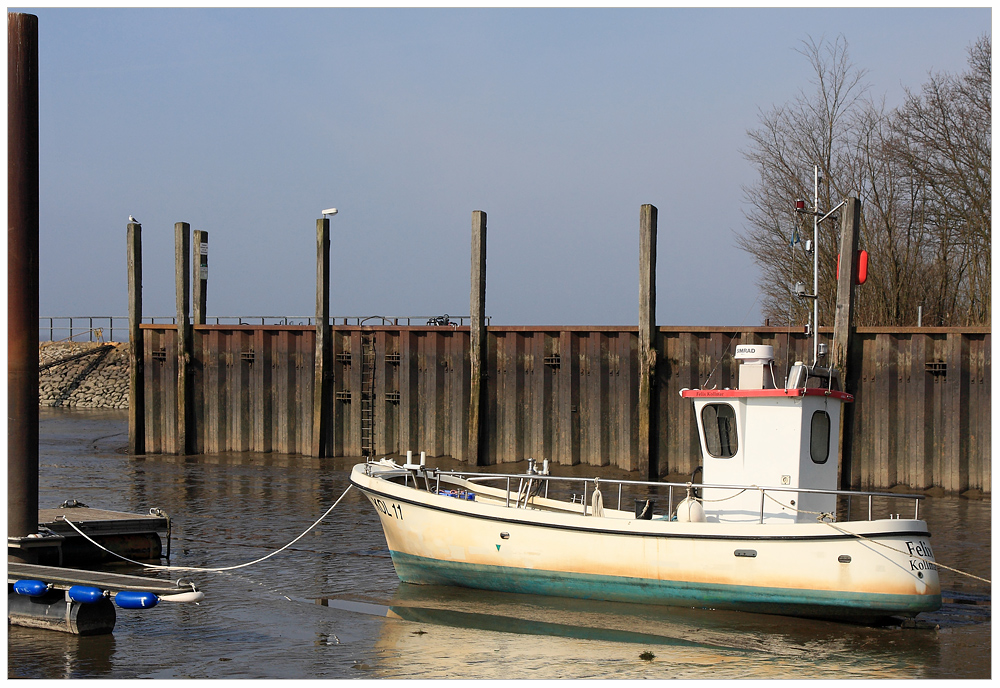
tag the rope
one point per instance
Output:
(822, 516)
(914, 556)
(196, 568)
(597, 500)
(702, 499)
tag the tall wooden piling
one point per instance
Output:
(22, 278)
(843, 327)
(323, 367)
(649, 442)
(182, 264)
(478, 409)
(200, 260)
(136, 360)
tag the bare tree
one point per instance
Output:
(816, 129)
(922, 173)
(892, 230)
(943, 137)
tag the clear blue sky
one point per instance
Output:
(558, 123)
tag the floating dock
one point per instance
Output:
(55, 607)
(134, 536)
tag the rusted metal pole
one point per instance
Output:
(200, 276)
(22, 276)
(843, 327)
(648, 463)
(182, 265)
(136, 391)
(478, 423)
(323, 362)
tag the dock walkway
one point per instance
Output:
(64, 579)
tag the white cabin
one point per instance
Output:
(768, 437)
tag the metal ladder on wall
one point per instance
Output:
(367, 394)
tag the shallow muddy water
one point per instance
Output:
(331, 605)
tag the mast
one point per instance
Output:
(800, 288)
(816, 214)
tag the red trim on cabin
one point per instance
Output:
(731, 393)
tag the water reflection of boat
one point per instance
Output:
(504, 623)
(434, 631)
(763, 534)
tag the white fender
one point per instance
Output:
(194, 596)
(690, 510)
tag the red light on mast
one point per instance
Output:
(800, 205)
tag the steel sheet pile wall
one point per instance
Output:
(923, 403)
(568, 394)
(252, 389)
(421, 390)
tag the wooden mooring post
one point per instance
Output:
(200, 277)
(478, 408)
(136, 360)
(323, 366)
(182, 263)
(843, 328)
(649, 441)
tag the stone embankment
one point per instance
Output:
(83, 374)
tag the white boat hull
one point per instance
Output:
(854, 570)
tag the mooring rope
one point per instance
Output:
(723, 499)
(822, 517)
(160, 567)
(907, 554)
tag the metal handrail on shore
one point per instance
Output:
(75, 327)
(586, 482)
(78, 326)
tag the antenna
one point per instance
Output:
(816, 265)
(800, 207)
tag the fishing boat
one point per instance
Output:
(765, 530)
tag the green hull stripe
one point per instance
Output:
(790, 601)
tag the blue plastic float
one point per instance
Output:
(85, 594)
(30, 588)
(130, 599)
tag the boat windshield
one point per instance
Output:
(719, 422)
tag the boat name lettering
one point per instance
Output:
(394, 510)
(921, 549)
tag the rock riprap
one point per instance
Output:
(83, 374)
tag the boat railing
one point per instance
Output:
(525, 481)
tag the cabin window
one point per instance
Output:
(819, 439)
(719, 421)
